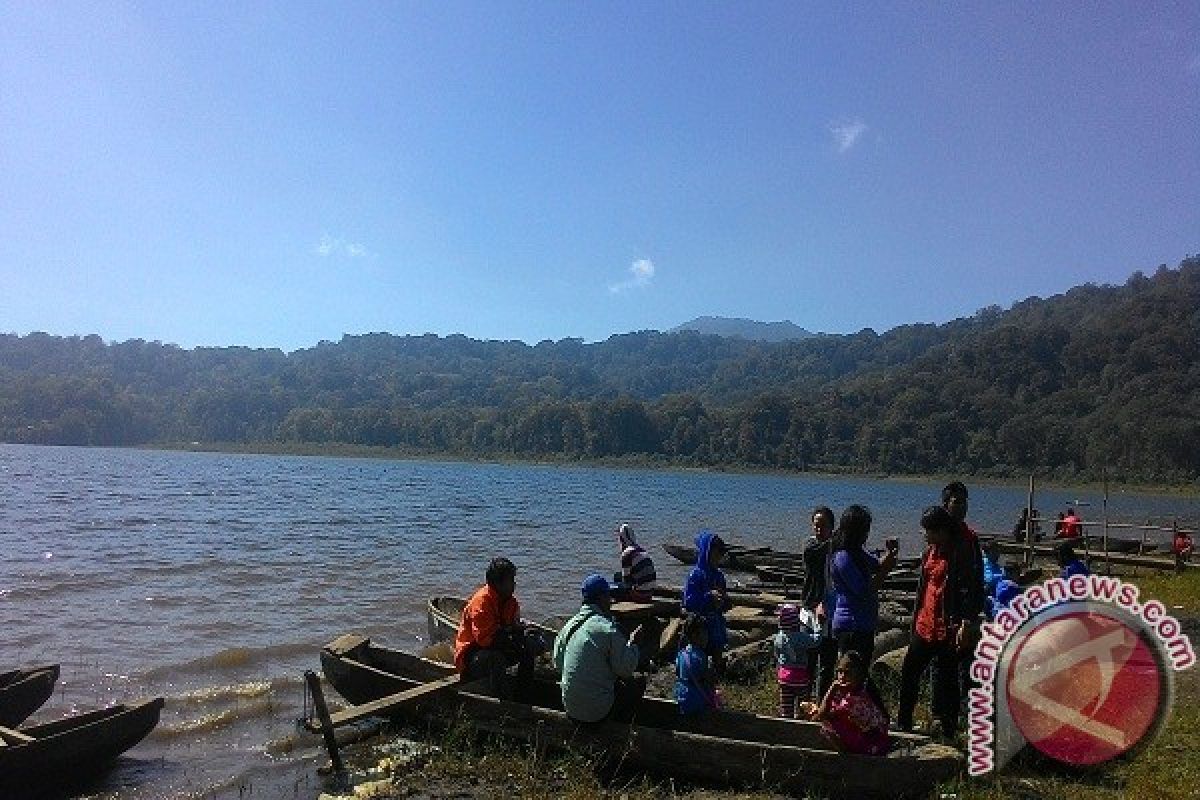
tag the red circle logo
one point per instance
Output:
(1085, 687)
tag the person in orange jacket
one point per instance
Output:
(491, 636)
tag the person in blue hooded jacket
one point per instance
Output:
(705, 593)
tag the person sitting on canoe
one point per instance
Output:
(638, 577)
(695, 688)
(1072, 525)
(1071, 564)
(852, 715)
(993, 572)
(491, 636)
(1182, 547)
(1006, 592)
(705, 592)
(596, 661)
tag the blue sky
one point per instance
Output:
(277, 174)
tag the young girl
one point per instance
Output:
(695, 691)
(853, 716)
(797, 636)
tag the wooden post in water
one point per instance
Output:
(1029, 525)
(1107, 565)
(318, 696)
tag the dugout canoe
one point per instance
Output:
(722, 747)
(23, 691)
(749, 559)
(1094, 553)
(73, 749)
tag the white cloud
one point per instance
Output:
(847, 134)
(333, 246)
(641, 273)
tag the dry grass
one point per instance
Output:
(465, 766)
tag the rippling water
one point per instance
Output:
(213, 579)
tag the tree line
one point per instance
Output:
(1098, 376)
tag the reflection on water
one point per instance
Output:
(212, 579)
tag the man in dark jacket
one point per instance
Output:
(823, 657)
(946, 618)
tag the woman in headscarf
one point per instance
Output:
(637, 568)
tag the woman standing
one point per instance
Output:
(855, 577)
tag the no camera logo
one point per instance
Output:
(1079, 669)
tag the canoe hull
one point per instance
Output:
(750, 750)
(75, 748)
(23, 692)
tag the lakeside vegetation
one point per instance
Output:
(464, 766)
(1099, 377)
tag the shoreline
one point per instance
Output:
(338, 450)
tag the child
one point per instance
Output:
(1071, 564)
(797, 636)
(694, 689)
(706, 595)
(853, 716)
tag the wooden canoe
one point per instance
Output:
(73, 749)
(444, 615)
(722, 747)
(1094, 553)
(22, 692)
(750, 559)
(903, 579)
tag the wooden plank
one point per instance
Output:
(11, 736)
(385, 705)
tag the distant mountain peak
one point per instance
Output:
(746, 329)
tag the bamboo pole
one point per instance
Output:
(1029, 525)
(1107, 564)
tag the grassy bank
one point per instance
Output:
(460, 765)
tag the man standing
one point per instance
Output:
(949, 602)
(596, 661)
(823, 657)
(490, 636)
(954, 500)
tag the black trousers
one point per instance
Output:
(492, 664)
(945, 701)
(821, 661)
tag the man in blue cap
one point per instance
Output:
(596, 661)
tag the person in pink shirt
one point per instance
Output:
(853, 716)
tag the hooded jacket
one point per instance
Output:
(703, 578)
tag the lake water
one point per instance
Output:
(214, 579)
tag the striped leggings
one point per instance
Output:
(789, 695)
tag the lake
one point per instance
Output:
(213, 579)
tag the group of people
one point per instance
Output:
(824, 645)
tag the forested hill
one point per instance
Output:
(1097, 376)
